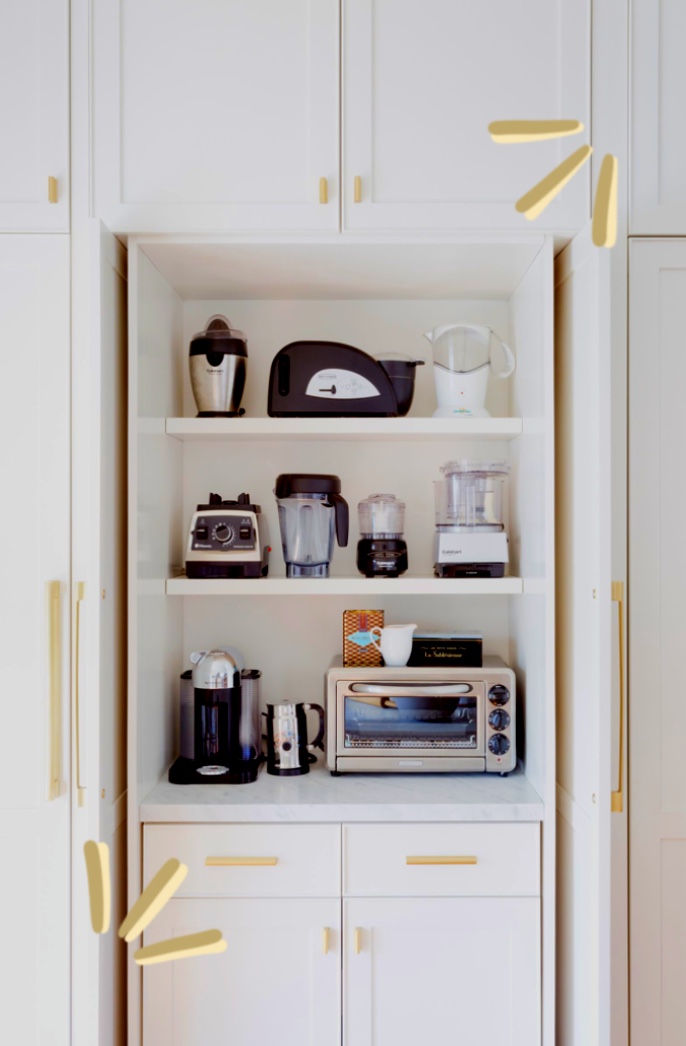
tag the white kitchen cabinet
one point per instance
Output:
(279, 979)
(657, 135)
(34, 115)
(441, 969)
(216, 115)
(34, 641)
(421, 83)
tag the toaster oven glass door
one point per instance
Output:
(413, 717)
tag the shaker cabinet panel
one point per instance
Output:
(658, 135)
(421, 83)
(34, 116)
(216, 115)
(279, 980)
(436, 970)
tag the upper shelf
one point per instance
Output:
(407, 585)
(392, 429)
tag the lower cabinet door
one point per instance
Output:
(277, 982)
(440, 970)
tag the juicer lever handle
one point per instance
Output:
(341, 509)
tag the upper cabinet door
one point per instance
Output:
(216, 115)
(34, 116)
(658, 135)
(422, 79)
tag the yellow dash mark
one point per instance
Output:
(506, 131)
(161, 887)
(99, 886)
(604, 228)
(535, 201)
(207, 942)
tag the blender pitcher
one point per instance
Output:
(311, 513)
(463, 358)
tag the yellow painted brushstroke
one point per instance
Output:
(161, 887)
(207, 942)
(535, 201)
(99, 884)
(604, 228)
(507, 131)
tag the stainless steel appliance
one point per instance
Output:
(227, 539)
(419, 720)
(221, 741)
(218, 362)
(329, 379)
(381, 550)
(288, 751)
(311, 512)
(470, 539)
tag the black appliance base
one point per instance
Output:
(183, 772)
(220, 414)
(382, 557)
(226, 570)
(469, 569)
(296, 771)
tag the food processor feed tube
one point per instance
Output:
(311, 513)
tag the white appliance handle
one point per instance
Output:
(412, 689)
(509, 360)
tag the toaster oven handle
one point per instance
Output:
(398, 690)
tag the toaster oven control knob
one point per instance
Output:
(223, 533)
(499, 719)
(498, 694)
(499, 744)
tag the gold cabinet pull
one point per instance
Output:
(326, 940)
(323, 190)
(456, 859)
(617, 798)
(358, 940)
(241, 862)
(80, 596)
(52, 602)
(52, 190)
(357, 189)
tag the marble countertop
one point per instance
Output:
(318, 797)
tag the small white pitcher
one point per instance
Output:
(395, 643)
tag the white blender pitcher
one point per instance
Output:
(463, 356)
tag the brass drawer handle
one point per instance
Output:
(326, 940)
(241, 862)
(52, 189)
(323, 190)
(358, 940)
(357, 189)
(441, 860)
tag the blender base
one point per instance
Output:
(469, 569)
(382, 557)
(316, 570)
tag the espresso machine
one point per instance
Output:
(470, 539)
(221, 741)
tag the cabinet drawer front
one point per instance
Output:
(249, 860)
(458, 860)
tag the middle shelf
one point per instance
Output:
(344, 586)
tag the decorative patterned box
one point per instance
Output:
(358, 648)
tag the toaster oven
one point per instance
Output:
(421, 720)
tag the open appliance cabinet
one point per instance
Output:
(377, 296)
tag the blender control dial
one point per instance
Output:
(223, 533)
(499, 744)
(499, 719)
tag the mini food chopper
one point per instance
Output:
(381, 551)
(470, 534)
(463, 359)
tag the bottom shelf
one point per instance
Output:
(345, 586)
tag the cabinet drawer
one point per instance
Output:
(249, 860)
(458, 860)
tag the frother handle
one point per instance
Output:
(317, 743)
(341, 508)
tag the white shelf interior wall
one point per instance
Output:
(377, 298)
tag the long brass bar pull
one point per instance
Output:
(358, 940)
(326, 940)
(52, 189)
(52, 606)
(323, 190)
(457, 859)
(617, 798)
(241, 862)
(80, 596)
(357, 189)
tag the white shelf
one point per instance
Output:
(392, 429)
(345, 586)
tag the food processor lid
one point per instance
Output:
(468, 467)
(383, 499)
(219, 336)
(306, 483)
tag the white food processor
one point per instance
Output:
(464, 355)
(470, 540)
